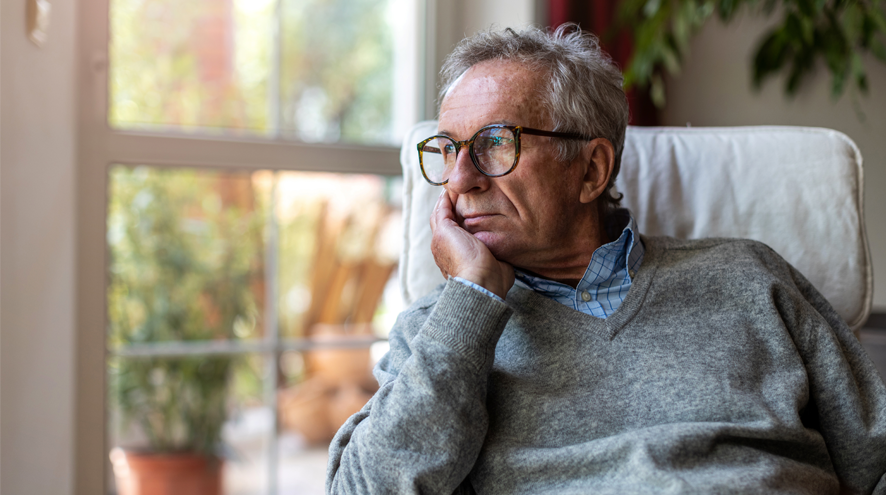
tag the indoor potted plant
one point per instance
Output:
(185, 266)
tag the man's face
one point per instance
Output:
(526, 218)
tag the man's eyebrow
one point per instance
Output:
(493, 122)
(502, 122)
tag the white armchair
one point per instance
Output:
(797, 189)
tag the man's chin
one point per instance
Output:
(495, 242)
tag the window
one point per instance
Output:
(243, 308)
(310, 70)
(226, 134)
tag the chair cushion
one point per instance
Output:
(797, 189)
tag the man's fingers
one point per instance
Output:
(443, 213)
(436, 211)
(444, 205)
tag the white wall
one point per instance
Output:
(715, 89)
(476, 16)
(452, 20)
(37, 239)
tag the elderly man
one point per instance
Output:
(567, 353)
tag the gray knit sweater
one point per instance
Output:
(724, 371)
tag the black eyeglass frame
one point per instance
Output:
(517, 130)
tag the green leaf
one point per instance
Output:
(629, 12)
(770, 56)
(725, 9)
(836, 50)
(798, 29)
(793, 81)
(879, 18)
(807, 26)
(838, 81)
(670, 57)
(852, 21)
(657, 91)
(859, 74)
(682, 21)
(651, 7)
(807, 7)
(704, 11)
(801, 64)
(868, 30)
(878, 48)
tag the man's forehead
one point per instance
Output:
(503, 92)
(498, 74)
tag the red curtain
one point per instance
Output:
(597, 16)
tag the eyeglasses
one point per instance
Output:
(494, 150)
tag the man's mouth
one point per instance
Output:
(474, 220)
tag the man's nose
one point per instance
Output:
(464, 176)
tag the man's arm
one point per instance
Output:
(847, 395)
(423, 429)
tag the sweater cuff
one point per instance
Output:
(478, 287)
(468, 321)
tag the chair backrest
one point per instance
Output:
(797, 189)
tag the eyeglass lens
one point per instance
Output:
(495, 150)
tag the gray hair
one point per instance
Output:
(584, 91)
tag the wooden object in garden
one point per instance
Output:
(347, 282)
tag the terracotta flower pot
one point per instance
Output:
(140, 473)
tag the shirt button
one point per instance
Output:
(632, 273)
(585, 296)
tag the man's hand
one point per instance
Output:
(460, 254)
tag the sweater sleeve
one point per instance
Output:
(423, 429)
(847, 395)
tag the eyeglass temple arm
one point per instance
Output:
(564, 135)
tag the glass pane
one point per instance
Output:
(338, 65)
(322, 389)
(339, 238)
(186, 255)
(186, 280)
(196, 64)
(311, 70)
(198, 424)
(192, 366)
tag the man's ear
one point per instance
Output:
(598, 159)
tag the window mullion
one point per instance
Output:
(274, 97)
(272, 336)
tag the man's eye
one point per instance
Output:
(449, 148)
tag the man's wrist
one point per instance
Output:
(488, 279)
(478, 287)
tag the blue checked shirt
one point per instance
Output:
(606, 280)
